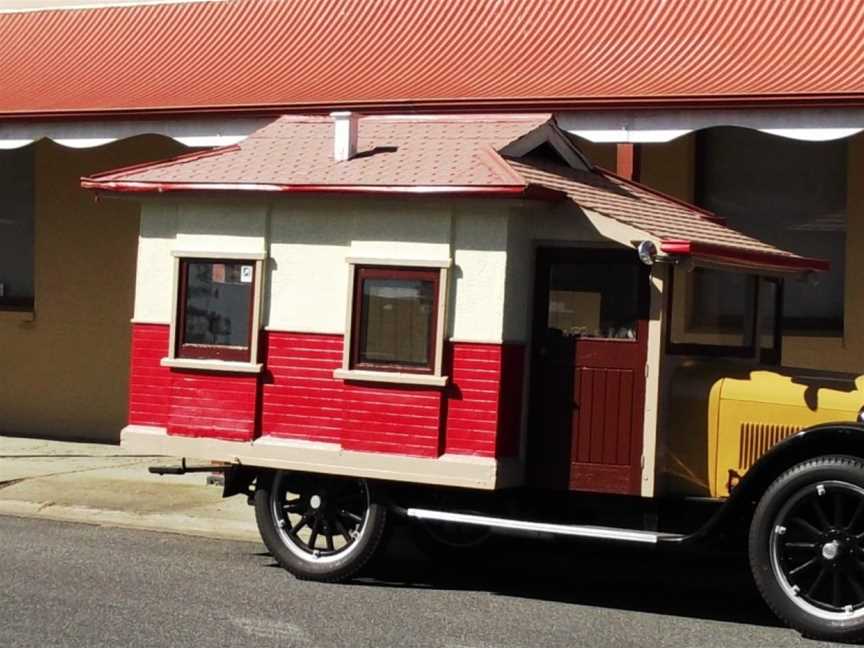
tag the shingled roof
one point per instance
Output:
(452, 155)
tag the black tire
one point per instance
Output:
(806, 548)
(343, 514)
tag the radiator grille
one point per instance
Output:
(758, 438)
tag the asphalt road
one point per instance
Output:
(78, 585)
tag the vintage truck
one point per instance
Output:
(461, 322)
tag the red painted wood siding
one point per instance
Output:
(187, 403)
(479, 413)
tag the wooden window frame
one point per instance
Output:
(352, 368)
(214, 357)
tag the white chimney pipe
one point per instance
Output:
(345, 126)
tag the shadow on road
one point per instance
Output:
(704, 584)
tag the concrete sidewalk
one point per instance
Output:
(102, 484)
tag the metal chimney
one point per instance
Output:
(345, 125)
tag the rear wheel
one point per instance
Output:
(807, 547)
(319, 527)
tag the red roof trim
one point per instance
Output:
(466, 190)
(750, 258)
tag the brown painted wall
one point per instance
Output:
(64, 373)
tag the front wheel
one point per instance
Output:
(807, 547)
(319, 527)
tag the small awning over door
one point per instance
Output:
(678, 229)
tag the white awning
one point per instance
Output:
(201, 132)
(637, 126)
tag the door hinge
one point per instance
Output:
(642, 462)
(646, 369)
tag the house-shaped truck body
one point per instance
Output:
(461, 301)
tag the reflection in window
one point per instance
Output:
(791, 194)
(769, 296)
(596, 300)
(216, 309)
(722, 302)
(713, 308)
(395, 313)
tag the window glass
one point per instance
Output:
(769, 343)
(791, 194)
(16, 229)
(396, 318)
(722, 302)
(216, 308)
(597, 300)
(713, 308)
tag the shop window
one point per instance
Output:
(395, 324)
(16, 229)
(217, 306)
(791, 194)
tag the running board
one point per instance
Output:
(573, 530)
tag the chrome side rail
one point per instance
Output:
(573, 530)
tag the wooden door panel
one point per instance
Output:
(604, 417)
(588, 384)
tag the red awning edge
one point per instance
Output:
(749, 258)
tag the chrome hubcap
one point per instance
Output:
(817, 549)
(830, 550)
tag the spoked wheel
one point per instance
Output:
(319, 527)
(807, 547)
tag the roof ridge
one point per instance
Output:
(490, 118)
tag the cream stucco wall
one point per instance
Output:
(64, 370)
(310, 241)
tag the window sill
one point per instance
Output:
(211, 365)
(15, 315)
(391, 377)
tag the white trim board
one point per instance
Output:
(464, 471)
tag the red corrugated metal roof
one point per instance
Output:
(446, 155)
(278, 56)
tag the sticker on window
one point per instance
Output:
(218, 273)
(246, 274)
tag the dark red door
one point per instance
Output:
(588, 371)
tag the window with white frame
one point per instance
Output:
(216, 311)
(395, 323)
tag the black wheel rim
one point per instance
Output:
(817, 552)
(319, 519)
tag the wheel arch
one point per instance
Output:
(845, 438)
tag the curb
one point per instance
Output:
(159, 522)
